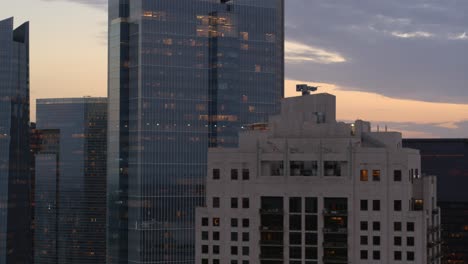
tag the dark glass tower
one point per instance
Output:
(184, 75)
(15, 206)
(71, 181)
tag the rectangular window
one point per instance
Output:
(234, 174)
(303, 168)
(215, 236)
(234, 222)
(215, 202)
(364, 205)
(245, 251)
(397, 255)
(205, 249)
(311, 223)
(364, 254)
(397, 226)
(376, 226)
(295, 205)
(311, 239)
(295, 238)
(245, 222)
(295, 252)
(364, 175)
(376, 205)
(234, 203)
(245, 174)
(311, 205)
(245, 203)
(216, 221)
(216, 249)
(334, 168)
(364, 240)
(311, 253)
(245, 237)
(410, 256)
(234, 236)
(272, 168)
(295, 222)
(205, 235)
(216, 174)
(397, 241)
(376, 240)
(376, 175)
(410, 241)
(234, 251)
(397, 205)
(364, 226)
(397, 176)
(410, 227)
(205, 221)
(376, 255)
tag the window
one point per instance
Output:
(295, 238)
(295, 252)
(234, 174)
(364, 240)
(245, 251)
(376, 175)
(364, 226)
(216, 221)
(397, 177)
(234, 222)
(311, 253)
(245, 237)
(204, 249)
(295, 222)
(376, 226)
(311, 239)
(376, 255)
(234, 236)
(205, 221)
(234, 261)
(376, 241)
(234, 203)
(245, 174)
(397, 255)
(333, 168)
(216, 236)
(215, 202)
(364, 176)
(397, 241)
(216, 174)
(410, 256)
(215, 261)
(410, 226)
(311, 223)
(245, 262)
(295, 205)
(410, 241)
(303, 168)
(397, 205)
(364, 205)
(204, 235)
(245, 203)
(245, 222)
(397, 226)
(311, 205)
(234, 251)
(376, 205)
(204, 261)
(216, 249)
(364, 254)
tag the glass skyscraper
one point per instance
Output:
(70, 168)
(15, 206)
(184, 75)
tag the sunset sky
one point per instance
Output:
(400, 63)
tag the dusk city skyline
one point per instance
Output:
(403, 61)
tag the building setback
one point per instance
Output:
(70, 181)
(448, 159)
(183, 75)
(15, 184)
(305, 188)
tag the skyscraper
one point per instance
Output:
(184, 75)
(15, 218)
(71, 181)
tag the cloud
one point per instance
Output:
(298, 52)
(368, 33)
(101, 4)
(417, 34)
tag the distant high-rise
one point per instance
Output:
(15, 206)
(70, 177)
(184, 75)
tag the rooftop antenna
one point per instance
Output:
(305, 89)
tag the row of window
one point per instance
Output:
(234, 222)
(216, 202)
(397, 241)
(205, 236)
(397, 205)
(397, 226)
(216, 261)
(245, 251)
(376, 175)
(397, 255)
(234, 174)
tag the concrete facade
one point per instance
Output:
(305, 188)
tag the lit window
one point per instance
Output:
(364, 175)
(376, 175)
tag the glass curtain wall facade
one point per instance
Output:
(15, 206)
(184, 75)
(79, 195)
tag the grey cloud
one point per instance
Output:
(101, 4)
(401, 48)
(460, 130)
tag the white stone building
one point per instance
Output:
(307, 189)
